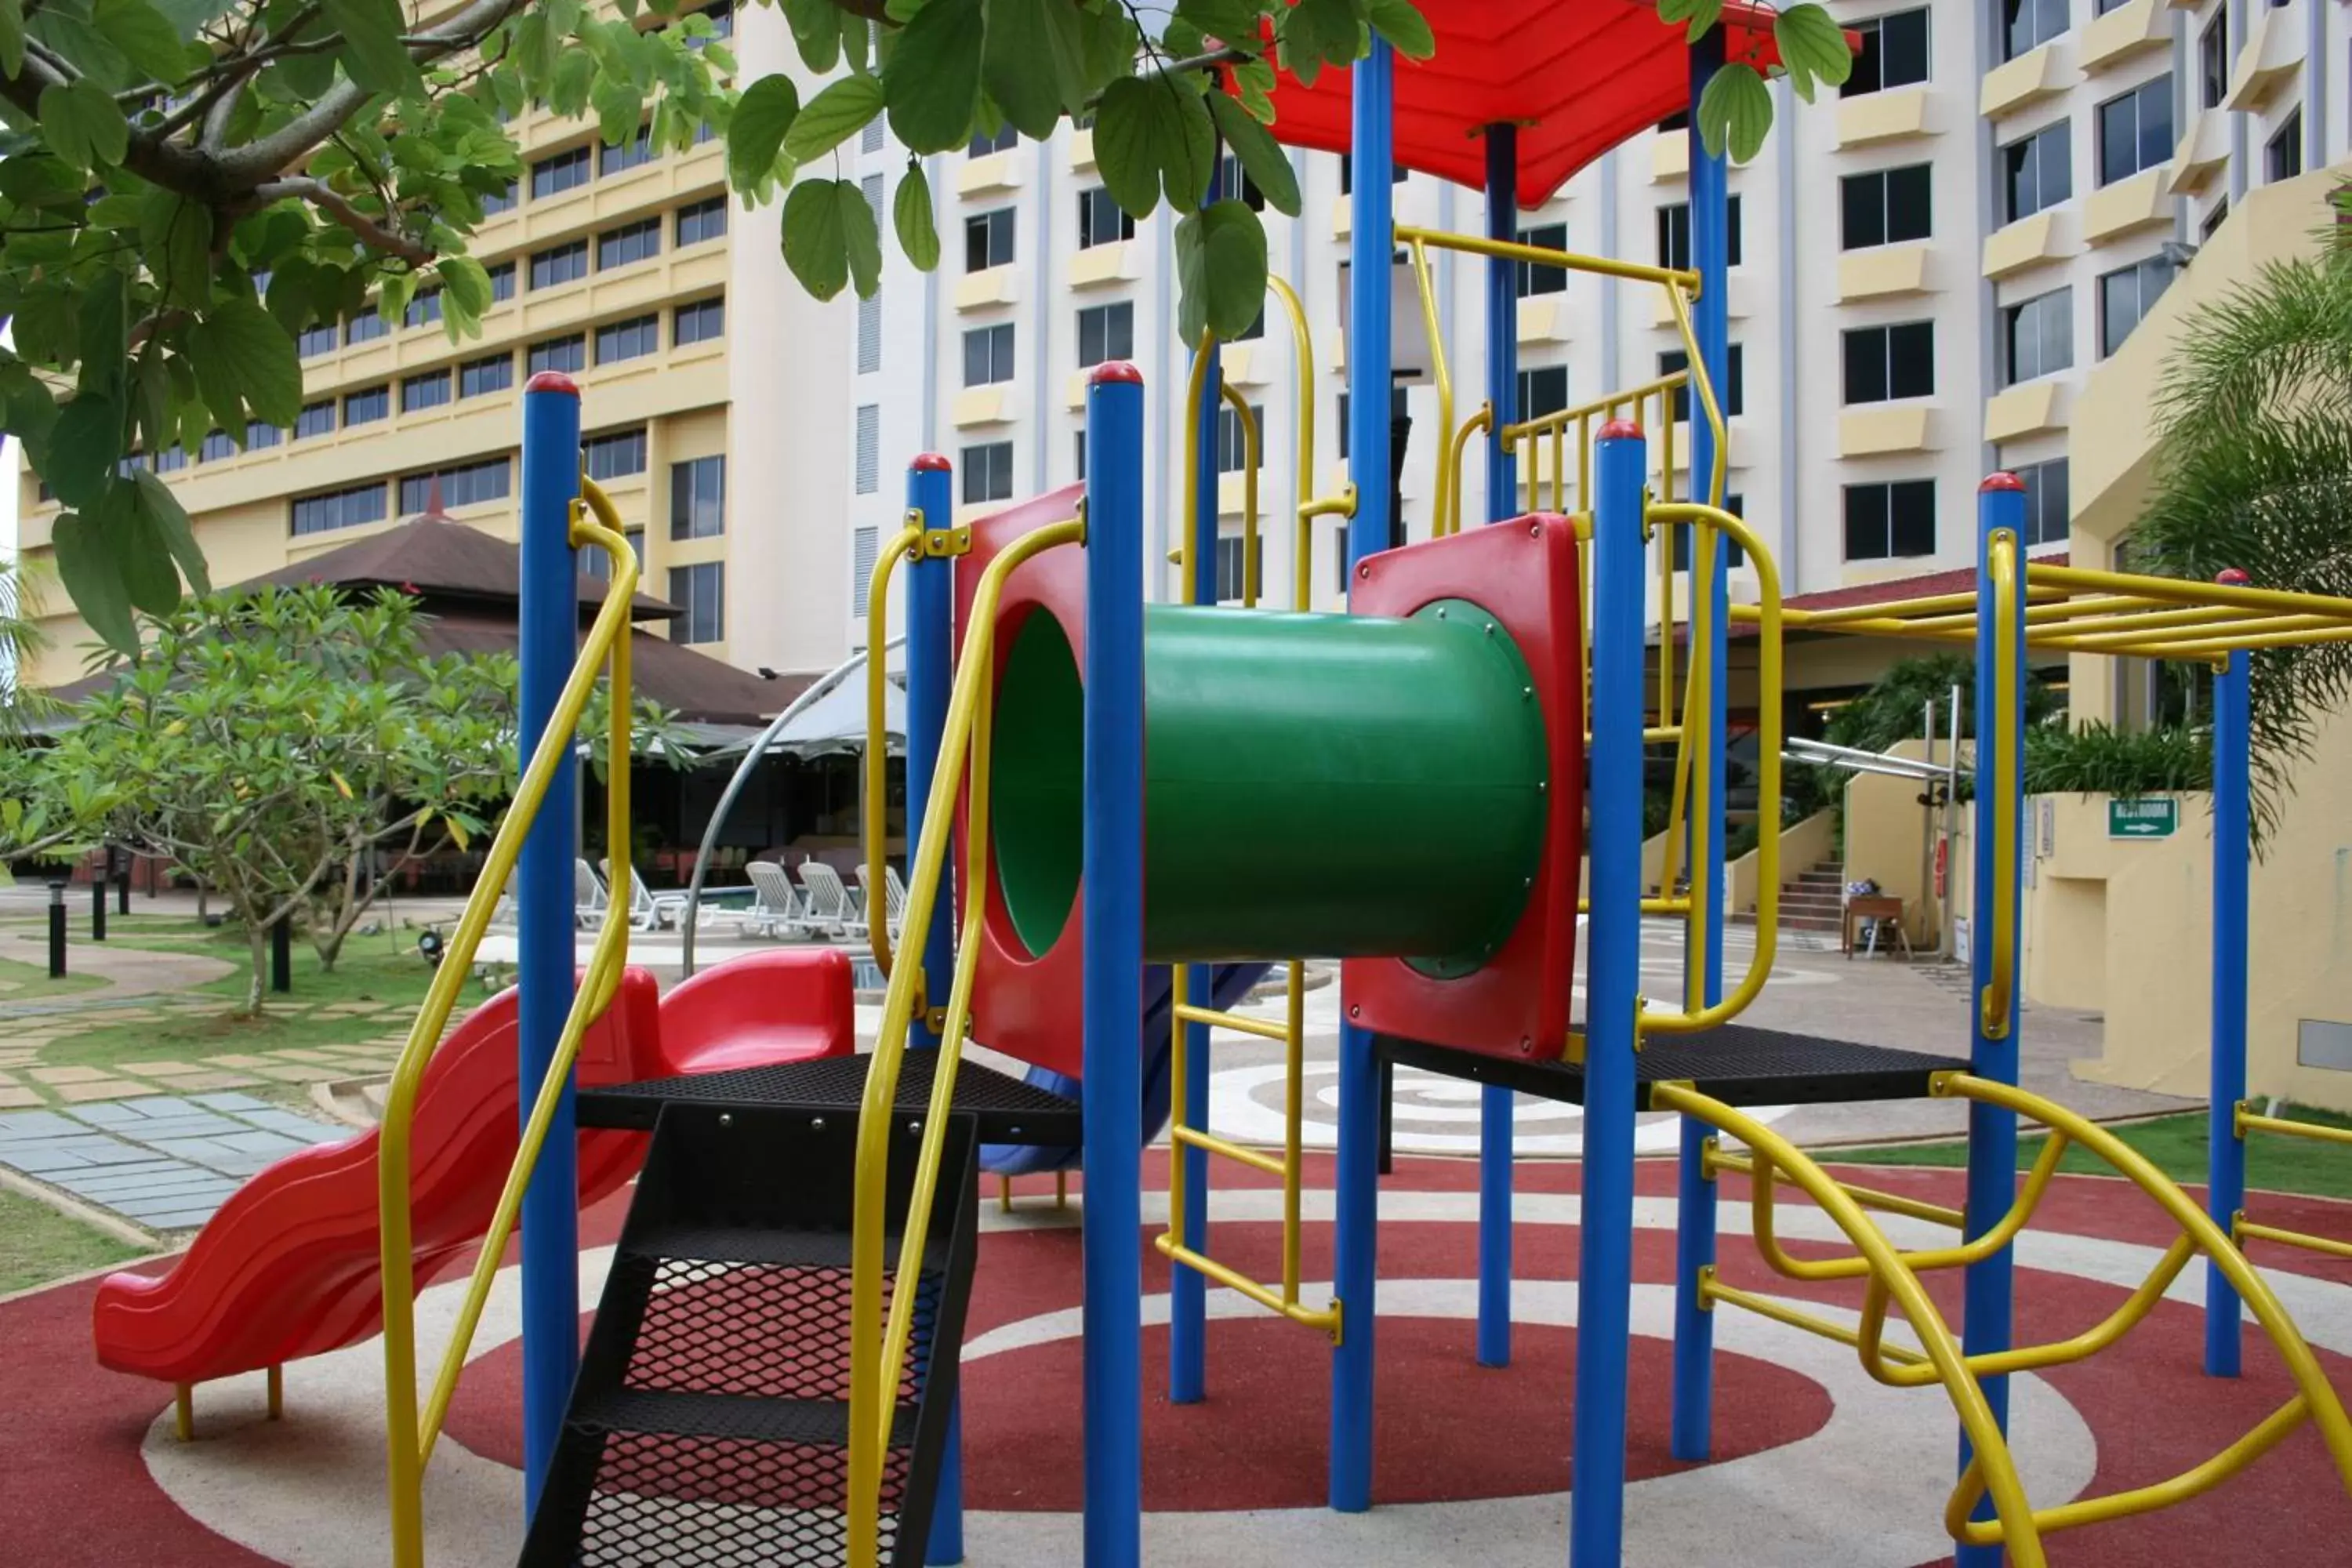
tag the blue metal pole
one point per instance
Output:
(1494, 1104)
(549, 641)
(1356, 1166)
(1188, 1291)
(2232, 834)
(1987, 1324)
(1612, 977)
(1693, 1433)
(930, 673)
(1112, 1005)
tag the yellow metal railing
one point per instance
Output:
(904, 545)
(411, 1439)
(2245, 1119)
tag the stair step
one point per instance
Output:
(683, 1412)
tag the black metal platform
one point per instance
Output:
(1736, 1063)
(1008, 1111)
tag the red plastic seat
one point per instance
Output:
(786, 1004)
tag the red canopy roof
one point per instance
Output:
(1578, 76)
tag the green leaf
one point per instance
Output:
(910, 214)
(1151, 134)
(831, 118)
(257, 356)
(620, 109)
(1268, 165)
(932, 82)
(861, 230)
(1402, 25)
(1735, 112)
(101, 328)
(817, 27)
(1316, 33)
(170, 521)
(1034, 64)
(85, 128)
(177, 237)
(84, 446)
(763, 116)
(816, 248)
(1221, 267)
(1254, 79)
(12, 37)
(93, 578)
(1812, 46)
(466, 282)
(1232, 22)
(146, 37)
(138, 548)
(372, 54)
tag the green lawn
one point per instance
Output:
(31, 981)
(2176, 1146)
(37, 1244)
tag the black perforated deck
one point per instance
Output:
(1007, 1110)
(1736, 1063)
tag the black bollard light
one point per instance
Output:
(57, 928)
(121, 882)
(281, 954)
(97, 904)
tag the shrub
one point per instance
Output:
(2092, 758)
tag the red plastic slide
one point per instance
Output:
(288, 1268)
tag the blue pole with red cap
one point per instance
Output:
(2232, 847)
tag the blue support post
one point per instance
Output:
(1987, 1324)
(2232, 837)
(930, 674)
(1495, 1128)
(1188, 1291)
(1693, 1434)
(1612, 979)
(1356, 1164)
(1111, 926)
(548, 625)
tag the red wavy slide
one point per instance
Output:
(288, 1268)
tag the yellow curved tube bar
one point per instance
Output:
(409, 1439)
(876, 823)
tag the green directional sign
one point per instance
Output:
(2151, 818)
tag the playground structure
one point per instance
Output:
(754, 1389)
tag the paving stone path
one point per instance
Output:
(27, 1083)
(162, 1161)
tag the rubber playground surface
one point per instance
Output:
(1815, 1465)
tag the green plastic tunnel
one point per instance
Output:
(1315, 785)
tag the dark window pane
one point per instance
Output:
(492, 372)
(702, 322)
(1908, 204)
(1535, 280)
(698, 499)
(1911, 360)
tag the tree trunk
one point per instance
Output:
(257, 942)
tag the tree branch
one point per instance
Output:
(371, 231)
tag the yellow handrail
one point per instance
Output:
(1418, 246)
(1302, 355)
(875, 821)
(1484, 419)
(1993, 1004)
(410, 1441)
(1253, 454)
(873, 1379)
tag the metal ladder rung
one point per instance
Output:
(1258, 1160)
(1262, 1029)
(1326, 1319)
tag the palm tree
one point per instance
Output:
(2255, 411)
(20, 638)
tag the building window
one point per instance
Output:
(987, 472)
(864, 549)
(559, 264)
(317, 339)
(1543, 390)
(170, 460)
(2045, 501)
(365, 326)
(870, 334)
(1004, 139)
(615, 455)
(701, 221)
(1101, 221)
(492, 372)
(430, 390)
(699, 591)
(632, 339)
(1339, 559)
(1078, 469)
(2213, 220)
(1886, 206)
(498, 202)
(638, 149)
(1234, 579)
(1883, 364)
(988, 239)
(215, 446)
(1732, 396)
(1397, 408)
(467, 484)
(1889, 521)
(1733, 555)
(2135, 130)
(502, 278)
(1894, 53)
(568, 354)
(338, 509)
(1675, 235)
(564, 171)
(1535, 279)
(1234, 183)
(2127, 295)
(2037, 171)
(425, 309)
(697, 497)
(988, 355)
(639, 241)
(868, 456)
(595, 562)
(1233, 442)
(2029, 24)
(316, 419)
(701, 322)
(1106, 333)
(2283, 154)
(2213, 61)
(2037, 336)
(369, 403)
(1397, 173)
(870, 139)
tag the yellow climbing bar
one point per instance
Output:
(906, 544)
(2246, 1119)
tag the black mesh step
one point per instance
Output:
(708, 1425)
(1736, 1064)
(1009, 1111)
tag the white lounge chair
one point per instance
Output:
(777, 909)
(829, 904)
(587, 894)
(649, 911)
(894, 900)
